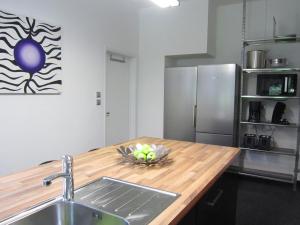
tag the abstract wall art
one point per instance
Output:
(30, 56)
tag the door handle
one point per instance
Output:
(195, 116)
(286, 80)
(216, 199)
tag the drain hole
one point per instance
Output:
(97, 215)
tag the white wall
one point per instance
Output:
(175, 31)
(38, 128)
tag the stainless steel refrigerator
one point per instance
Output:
(179, 104)
(217, 104)
(201, 104)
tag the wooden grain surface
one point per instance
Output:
(194, 168)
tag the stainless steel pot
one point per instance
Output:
(278, 62)
(256, 59)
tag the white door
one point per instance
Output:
(117, 99)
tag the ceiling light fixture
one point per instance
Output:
(166, 3)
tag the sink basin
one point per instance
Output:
(106, 201)
(137, 204)
(69, 213)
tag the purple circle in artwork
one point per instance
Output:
(29, 55)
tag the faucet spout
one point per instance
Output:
(48, 180)
(67, 174)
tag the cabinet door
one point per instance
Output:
(218, 206)
(190, 218)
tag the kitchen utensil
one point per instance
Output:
(254, 112)
(274, 27)
(265, 142)
(256, 59)
(278, 112)
(250, 140)
(277, 62)
(160, 152)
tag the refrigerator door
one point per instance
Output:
(216, 94)
(216, 139)
(180, 101)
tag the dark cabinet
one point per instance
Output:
(218, 205)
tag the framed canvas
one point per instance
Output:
(30, 56)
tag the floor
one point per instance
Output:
(262, 202)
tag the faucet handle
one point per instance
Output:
(67, 158)
(68, 170)
(67, 163)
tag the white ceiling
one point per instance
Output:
(141, 3)
(145, 3)
(121, 4)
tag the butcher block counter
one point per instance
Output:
(194, 169)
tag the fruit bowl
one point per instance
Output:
(144, 154)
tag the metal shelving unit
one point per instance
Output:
(276, 151)
(294, 153)
(271, 70)
(271, 41)
(276, 98)
(291, 125)
(282, 177)
(268, 175)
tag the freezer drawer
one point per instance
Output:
(216, 95)
(214, 139)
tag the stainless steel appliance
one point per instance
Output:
(250, 140)
(254, 111)
(278, 112)
(277, 84)
(256, 59)
(217, 104)
(180, 103)
(201, 104)
(265, 142)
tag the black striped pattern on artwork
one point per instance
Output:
(12, 79)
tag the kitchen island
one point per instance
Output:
(193, 169)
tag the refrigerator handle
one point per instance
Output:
(195, 115)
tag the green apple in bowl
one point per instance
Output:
(136, 153)
(151, 156)
(141, 156)
(147, 149)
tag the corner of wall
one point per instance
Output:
(212, 28)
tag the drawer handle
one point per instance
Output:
(216, 199)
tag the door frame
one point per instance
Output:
(133, 68)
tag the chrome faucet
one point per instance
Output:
(67, 174)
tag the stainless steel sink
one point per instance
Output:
(136, 204)
(104, 202)
(69, 213)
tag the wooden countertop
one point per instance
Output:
(194, 169)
